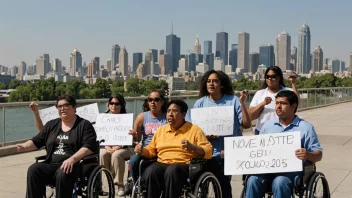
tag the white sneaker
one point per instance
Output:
(121, 192)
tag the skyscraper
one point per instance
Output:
(56, 65)
(253, 62)
(266, 55)
(208, 47)
(47, 63)
(350, 66)
(137, 58)
(123, 62)
(243, 51)
(75, 62)
(155, 55)
(173, 48)
(283, 51)
(209, 59)
(14, 70)
(197, 47)
(115, 51)
(165, 62)
(317, 59)
(342, 66)
(108, 65)
(303, 52)
(22, 69)
(233, 57)
(40, 66)
(335, 66)
(222, 46)
(293, 58)
(96, 69)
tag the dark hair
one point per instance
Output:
(290, 95)
(225, 82)
(182, 104)
(161, 93)
(121, 100)
(278, 72)
(70, 99)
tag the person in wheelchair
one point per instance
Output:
(67, 140)
(283, 183)
(174, 145)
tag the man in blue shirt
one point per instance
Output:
(282, 183)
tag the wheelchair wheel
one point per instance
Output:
(207, 186)
(100, 183)
(318, 186)
(243, 193)
(137, 191)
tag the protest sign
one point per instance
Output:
(88, 112)
(214, 120)
(268, 153)
(114, 128)
(48, 114)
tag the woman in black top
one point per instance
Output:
(67, 140)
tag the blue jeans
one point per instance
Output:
(281, 184)
(134, 166)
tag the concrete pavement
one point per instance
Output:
(333, 125)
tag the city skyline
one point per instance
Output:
(25, 38)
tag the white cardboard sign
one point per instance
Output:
(214, 120)
(48, 114)
(267, 153)
(114, 128)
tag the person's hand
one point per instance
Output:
(109, 149)
(267, 100)
(212, 137)
(67, 165)
(34, 108)
(187, 145)
(21, 147)
(222, 153)
(243, 95)
(293, 77)
(302, 154)
(132, 132)
(115, 148)
(138, 149)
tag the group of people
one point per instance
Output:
(164, 130)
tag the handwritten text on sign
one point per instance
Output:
(88, 112)
(268, 153)
(114, 128)
(214, 120)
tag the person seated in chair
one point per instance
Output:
(174, 144)
(283, 183)
(67, 140)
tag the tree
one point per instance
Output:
(14, 83)
(3, 86)
(104, 88)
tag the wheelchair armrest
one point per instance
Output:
(90, 158)
(40, 158)
(198, 161)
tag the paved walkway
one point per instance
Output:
(333, 125)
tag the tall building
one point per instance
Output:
(317, 63)
(293, 58)
(222, 46)
(40, 66)
(75, 62)
(303, 51)
(173, 48)
(165, 63)
(243, 51)
(115, 51)
(266, 55)
(155, 55)
(209, 60)
(96, 69)
(219, 64)
(233, 57)
(123, 62)
(342, 66)
(253, 62)
(108, 65)
(14, 70)
(47, 62)
(350, 66)
(197, 47)
(335, 66)
(137, 59)
(208, 47)
(22, 69)
(56, 65)
(183, 66)
(283, 51)
(326, 63)
(91, 69)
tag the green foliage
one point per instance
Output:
(3, 86)
(14, 83)
(244, 83)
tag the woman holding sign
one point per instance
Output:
(114, 157)
(216, 90)
(146, 124)
(262, 106)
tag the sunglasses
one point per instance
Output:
(65, 106)
(271, 76)
(114, 103)
(154, 99)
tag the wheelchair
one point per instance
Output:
(312, 184)
(94, 181)
(199, 184)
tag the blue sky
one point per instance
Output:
(30, 28)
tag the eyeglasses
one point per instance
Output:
(154, 99)
(114, 103)
(213, 80)
(65, 106)
(271, 76)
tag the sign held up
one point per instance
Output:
(268, 153)
(214, 120)
(114, 128)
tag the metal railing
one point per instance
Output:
(18, 120)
